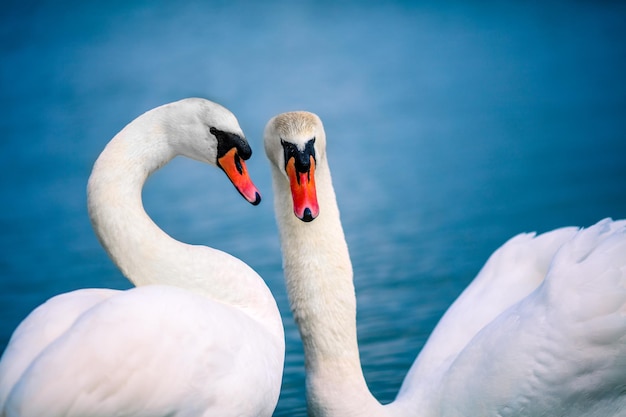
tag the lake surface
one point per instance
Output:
(451, 128)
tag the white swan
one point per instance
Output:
(200, 335)
(540, 332)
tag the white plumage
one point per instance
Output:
(200, 335)
(541, 331)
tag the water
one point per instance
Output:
(451, 128)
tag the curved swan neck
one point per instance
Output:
(132, 240)
(144, 253)
(319, 281)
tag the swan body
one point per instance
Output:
(541, 331)
(199, 335)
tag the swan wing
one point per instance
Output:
(560, 351)
(40, 328)
(511, 273)
(154, 351)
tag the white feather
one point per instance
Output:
(200, 335)
(541, 331)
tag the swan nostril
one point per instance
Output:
(307, 216)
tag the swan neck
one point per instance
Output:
(132, 240)
(319, 281)
(143, 252)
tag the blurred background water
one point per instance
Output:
(452, 126)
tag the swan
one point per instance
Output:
(200, 334)
(541, 331)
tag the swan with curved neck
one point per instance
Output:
(541, 331)
(199, 335)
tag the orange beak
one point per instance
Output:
(235, 168)
(305, 205)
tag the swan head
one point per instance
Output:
(295, 143)
(210, 133)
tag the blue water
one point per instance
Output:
(451, 128)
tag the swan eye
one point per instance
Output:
(302, 157)
(227, 141)
(289, 149)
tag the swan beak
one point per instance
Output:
(235, 168)
(305, 205)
